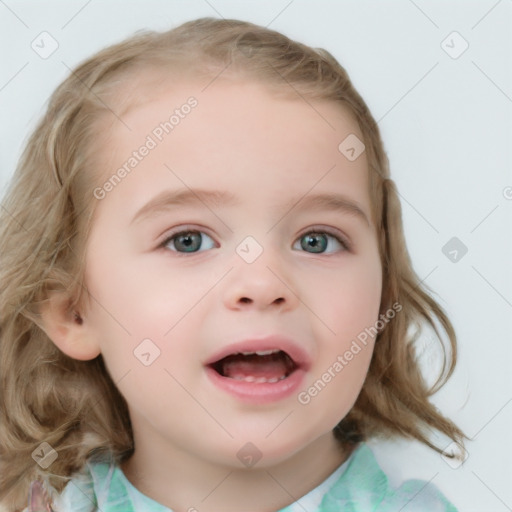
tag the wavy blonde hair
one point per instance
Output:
(45, 218)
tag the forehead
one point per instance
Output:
(237, 135)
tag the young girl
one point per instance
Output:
(207, 302)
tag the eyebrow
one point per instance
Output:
(169, 199)
(333, 202)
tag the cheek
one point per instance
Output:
(140, 293)
(349, 310)
(349, 301)
(137, 318)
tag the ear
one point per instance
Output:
(65, 327)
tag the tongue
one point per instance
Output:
(272, 366)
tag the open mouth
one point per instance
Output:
(259, 371)
(260, 367)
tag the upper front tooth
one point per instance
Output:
(266, 352)
(261, 352)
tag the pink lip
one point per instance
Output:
(261, 393)
(266, 392)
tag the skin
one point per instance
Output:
(266, 151)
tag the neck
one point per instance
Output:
(182, 482)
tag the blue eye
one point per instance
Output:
(189, 241)
(314, 242)
(318, 242)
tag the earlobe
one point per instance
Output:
(67, 329)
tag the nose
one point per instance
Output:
(261, 285)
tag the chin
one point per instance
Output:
(257, 450)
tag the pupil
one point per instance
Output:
(315, 241)
(189, 242)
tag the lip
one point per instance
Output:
(266, 392)
(294, 350)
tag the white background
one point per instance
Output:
(447, 127)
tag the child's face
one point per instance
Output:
(197, 297)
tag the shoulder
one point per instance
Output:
(102, 486)
(365, 486)
(80, 493)
(88, 489)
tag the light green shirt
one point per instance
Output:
(358, 485)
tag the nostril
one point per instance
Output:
(247, 300)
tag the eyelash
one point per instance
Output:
(346, 245)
